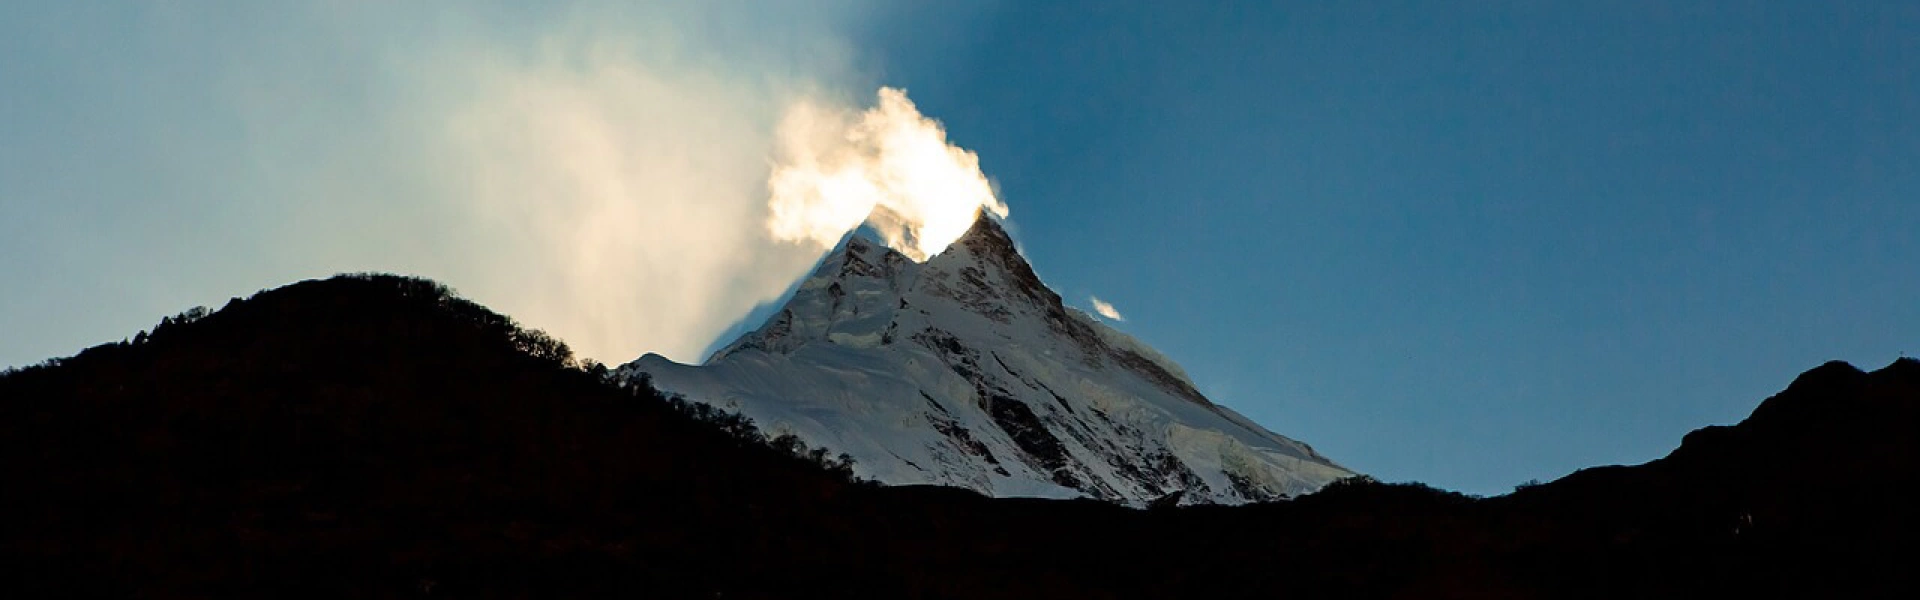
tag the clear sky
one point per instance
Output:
(1468, 244)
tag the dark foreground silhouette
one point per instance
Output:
(374, 436)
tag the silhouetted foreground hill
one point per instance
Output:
(374, 436)
(366, 435)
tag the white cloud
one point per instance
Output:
(889, 166)
(1105, 309)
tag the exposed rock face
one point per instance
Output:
(966, 370)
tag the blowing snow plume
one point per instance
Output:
(888, 166)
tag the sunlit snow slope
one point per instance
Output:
(967, 371)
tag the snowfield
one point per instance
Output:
(967, 371)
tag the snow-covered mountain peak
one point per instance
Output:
(987, 241)
(983, 268)
(967, 370)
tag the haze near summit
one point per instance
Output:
(630, 177)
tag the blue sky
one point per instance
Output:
(1468, 244)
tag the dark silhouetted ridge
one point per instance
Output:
(376, 436)
(365, 435)
(1827, 464)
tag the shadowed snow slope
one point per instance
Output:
(967, 371)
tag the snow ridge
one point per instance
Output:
(966, 370)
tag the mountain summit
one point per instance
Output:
(967, 371)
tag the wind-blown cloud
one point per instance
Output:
(1105, 309)
(595, 169)
(599, 169)
(629, 190)
(888, 166)
(637, 190)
